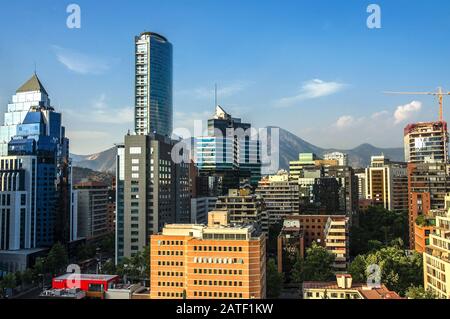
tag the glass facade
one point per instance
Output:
(154, 81)
(32, 135)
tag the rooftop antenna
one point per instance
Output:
(35, 68)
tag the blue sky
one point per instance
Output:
(312, 67)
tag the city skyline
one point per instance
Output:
(310, 77)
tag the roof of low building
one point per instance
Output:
(366, 292)
(87, 277)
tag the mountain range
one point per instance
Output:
(290, 146)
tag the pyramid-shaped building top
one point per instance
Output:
(32, 85)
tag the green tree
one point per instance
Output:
(56, 260)
(274, 280)
(85, 252)
(375, 228)
(107, 244)
(296, 273)
(358, 269)
(8, 282)
(399, 270)
(418, 292)
(27, 276)
(317, 265)
(109, 268)
(136, 268)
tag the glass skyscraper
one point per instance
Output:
(154, 81)
(35, 197)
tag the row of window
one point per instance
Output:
(170, 263)
(170, 284)
(170, 253)
(218, 283)
(217, 248)
(218, 294)
(170, 242)
(172, 274)
(217, 271)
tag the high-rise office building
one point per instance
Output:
(36, 192)
(229, 155)
(152, 190)
(154, 85)
(348, 187)
(424, 141)
(217, 261)
(92, 208)
(387, 184)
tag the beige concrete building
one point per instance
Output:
(387, 184)
(337, 241)
(208, 262)
(281, 196)
(436, 259)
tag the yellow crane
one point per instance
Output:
(440, 94)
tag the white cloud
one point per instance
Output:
(312, 89)
(407, 111)
(378, 115)
(345, 121)
(81, 63)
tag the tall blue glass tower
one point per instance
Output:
(154, 85)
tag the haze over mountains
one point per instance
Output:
(290, 146)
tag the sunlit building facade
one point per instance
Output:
(154, 81)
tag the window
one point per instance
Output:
(135, 150)
(135, 161)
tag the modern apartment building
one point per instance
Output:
(425, 141)
(436, 259)
(329, 231)
(304, 160)
(153, 85)
(281, 196)
(92, 207)
(152, 191)
(387, 184)
(217, 261)
(290, 244)
(341, 158)
(244, 208)
(362, 177)
(428, 183)
(337, 240)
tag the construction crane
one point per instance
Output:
(440, 94)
